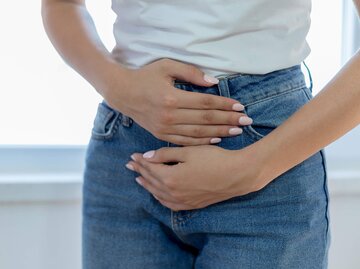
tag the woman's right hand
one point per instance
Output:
(181, 117)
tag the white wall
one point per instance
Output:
(40, 235)
(345, 225)
(40, 229)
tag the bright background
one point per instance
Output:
(44, 101)
(46, 115)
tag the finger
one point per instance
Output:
(190, 141)
(173, 205)
(209, 116)
(146, 172)
(189, 72)
(205, 130)
(163, 155)
(148, 185)
(198, 100)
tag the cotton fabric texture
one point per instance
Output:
(217, 36)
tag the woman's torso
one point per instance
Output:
(218, 36)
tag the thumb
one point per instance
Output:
(190, 73)
(164, 155)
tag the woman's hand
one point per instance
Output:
(203, 175)
(181, 117)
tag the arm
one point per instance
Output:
(71, 30)
(194, 181)
(330, 114)
(146, 94)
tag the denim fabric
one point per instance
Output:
(282, 226)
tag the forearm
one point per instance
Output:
(328, 116)
(71, 30)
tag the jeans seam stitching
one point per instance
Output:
(251, 131)
(292, 89)
(113, 129)
(326, 196)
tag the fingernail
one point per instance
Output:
(245, 120)
(210, 79)
(149, 154)
(235, 131)
(238, 107)
(129, 166)
(138, 180)
(215, 140)
(133, 157)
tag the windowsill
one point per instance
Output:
(51, 173)
(48, 187)
(40, 187)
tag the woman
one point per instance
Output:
(184, 75)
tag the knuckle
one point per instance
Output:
(198, 131)
(207, 101)
(208, 116)
(147, 166)
(166, 118)
(144, 164)
(224, 103)
(224, 131)
(169, 100)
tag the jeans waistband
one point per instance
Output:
(247, 87)
(251, 87)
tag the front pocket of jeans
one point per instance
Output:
(106, 122)
(269, 113)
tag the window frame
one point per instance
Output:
(67, 160)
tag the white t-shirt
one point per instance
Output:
(217, 36)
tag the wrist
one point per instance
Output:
(113, 76)
(254, 162)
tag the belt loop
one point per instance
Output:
(223, 87)
(310, 78)
(126, 121)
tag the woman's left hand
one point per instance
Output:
(202, 175)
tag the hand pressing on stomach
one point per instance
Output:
(149, 97)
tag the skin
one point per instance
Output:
(194, 182)
(194, 119)
(146, 94)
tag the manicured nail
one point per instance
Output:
(238, 107)
(235, 131)
(245, 120)
(133, 157)
(215, 140)
(149, 154)
(210, 79)
(138, 180)
(129, 166)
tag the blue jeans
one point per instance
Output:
(282, 226)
